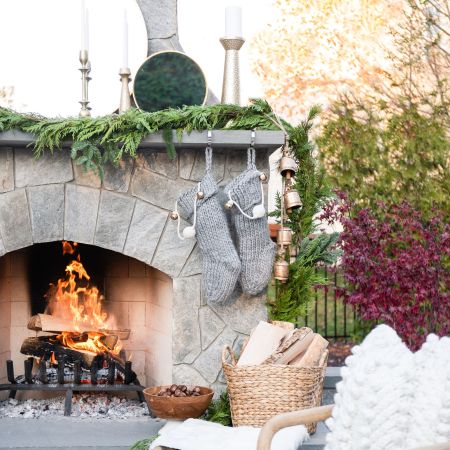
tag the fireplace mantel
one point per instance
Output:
(223, 139)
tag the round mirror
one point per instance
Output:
(169, 79)
(40, 45)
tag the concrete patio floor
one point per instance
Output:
(70, 434)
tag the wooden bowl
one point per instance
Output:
(177, 407)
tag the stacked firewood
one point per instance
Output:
(280, 343)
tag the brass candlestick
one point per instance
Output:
(85, 70)
(231, 81)
(125, 78)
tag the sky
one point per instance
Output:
(40, 59)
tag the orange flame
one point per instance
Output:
(76, 301)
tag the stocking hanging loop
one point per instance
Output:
(208, 152)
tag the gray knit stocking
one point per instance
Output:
(255, 249)
(221, 265)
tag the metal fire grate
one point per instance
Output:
(73, 378)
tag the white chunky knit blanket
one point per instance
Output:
(390, 398)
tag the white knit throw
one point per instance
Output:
(390, 398)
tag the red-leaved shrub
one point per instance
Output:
(397, 268)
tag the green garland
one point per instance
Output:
(99, 140)
(108, 139)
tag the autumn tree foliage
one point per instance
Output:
(316, 51)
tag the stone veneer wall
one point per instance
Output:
(51, 199)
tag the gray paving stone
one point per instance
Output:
(80, 218)
(211, 325)
(186, 345)
(117, 177)
(47, 212)
(85, 178)
(6, 169)
(209, 363)
(172, 253)
(159, 162)
(69, 433)
(236, 163)
(49, 168)
(193, 265)
(145, 231)
(218, 165)
(187, 159)
(114, 217)
(158, 189)
(186, 374)
(243, 315)
(15, 224)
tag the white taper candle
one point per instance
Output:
(125, 40)
(83, 23)
(86, 31)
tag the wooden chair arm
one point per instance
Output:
(290, 419)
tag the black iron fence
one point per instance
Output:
(328, 314)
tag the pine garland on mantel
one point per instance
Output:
(97, 141)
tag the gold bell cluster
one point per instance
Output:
(289, 201)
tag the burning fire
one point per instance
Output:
(79, 306)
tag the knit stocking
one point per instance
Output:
(221, 265)
(256, 250)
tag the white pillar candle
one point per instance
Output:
(125, 41)
(233, 21)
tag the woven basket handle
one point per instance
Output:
(228, 351)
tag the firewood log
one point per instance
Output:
(54, 324)
(292, 346)
(44, 345)
(313, 354)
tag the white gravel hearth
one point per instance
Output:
(84, 406)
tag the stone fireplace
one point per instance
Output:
(151, 280)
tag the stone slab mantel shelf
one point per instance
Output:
(232, 139)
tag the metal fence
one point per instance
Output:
(329, 315)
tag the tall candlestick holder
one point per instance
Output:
(231, 80)
(125, 78)
(85, 78)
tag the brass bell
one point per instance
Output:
(229, 204)
(281, 270)
(174, 215)
(292, 200)
(284, 237)
(200, 195)
(288, 166)
(263, 177)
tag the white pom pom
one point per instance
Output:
(259, 211)
(189, 232)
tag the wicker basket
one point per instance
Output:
(258, 393)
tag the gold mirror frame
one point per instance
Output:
(166, 52)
